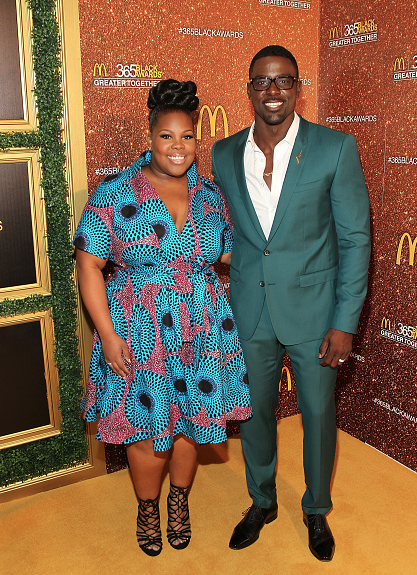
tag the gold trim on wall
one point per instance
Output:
(24, 30)
(51, 381)
(43, 282)
(74, 139)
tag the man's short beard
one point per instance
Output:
(273, 121)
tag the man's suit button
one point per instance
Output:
(266, 252)
(262, 284)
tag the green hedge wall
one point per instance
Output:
(69, 448)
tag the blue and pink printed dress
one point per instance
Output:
(187, 373)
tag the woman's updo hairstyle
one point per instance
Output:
(170, 95)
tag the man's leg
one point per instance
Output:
(263, 355)
(315, 396)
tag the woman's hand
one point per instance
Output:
(226, 258)
(116, 354)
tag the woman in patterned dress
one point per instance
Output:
(166, 369)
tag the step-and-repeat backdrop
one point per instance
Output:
(368, 87)
(357, 68)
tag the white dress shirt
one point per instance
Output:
(265, 200)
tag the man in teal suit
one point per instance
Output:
(298, 279)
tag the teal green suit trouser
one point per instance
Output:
(315, 396)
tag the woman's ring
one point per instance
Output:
(342, 360)
(109, 362)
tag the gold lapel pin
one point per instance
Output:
(298, 157)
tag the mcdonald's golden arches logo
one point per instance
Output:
(334, 33)
(287, 371)
(399, 64)
(386, 323)
(212, 119)
(99, 68)
(411, 249)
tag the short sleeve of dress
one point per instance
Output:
(94, 231)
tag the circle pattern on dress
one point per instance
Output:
(129, 210)
(145, 401)
(228, 323)
(161, 229)
(82, 241)
(207, 386)
(180, 385)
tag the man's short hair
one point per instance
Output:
(273, 50)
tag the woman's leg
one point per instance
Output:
(183, 461)
(146, 467)
(181, 470)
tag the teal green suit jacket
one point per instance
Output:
(313, 268)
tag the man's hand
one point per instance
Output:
(335, 348)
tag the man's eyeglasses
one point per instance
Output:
(281, 82)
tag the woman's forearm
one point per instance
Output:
(93, 292)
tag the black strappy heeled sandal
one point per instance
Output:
(148, 530)
(179, 529)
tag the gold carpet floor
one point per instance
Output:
(89, 528)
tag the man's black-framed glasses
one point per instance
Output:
(260, 83)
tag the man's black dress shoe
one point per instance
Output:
(247, 531)
(320, 538)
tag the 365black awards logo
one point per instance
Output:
(125, 75)
(359, 32)
(399, 332)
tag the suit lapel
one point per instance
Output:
(295, 167)
(239, 155)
